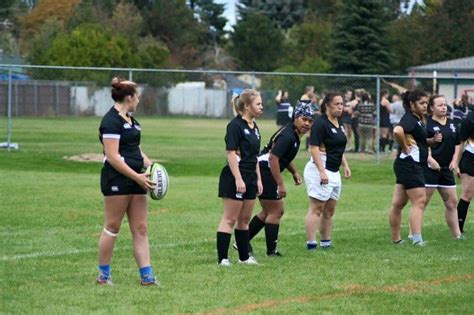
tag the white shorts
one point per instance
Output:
(313, 183)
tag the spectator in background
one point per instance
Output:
(366, 110)
(283, 108)
(397, 112)
(460, 110)
(354, 104)
(384, 121)
(308, 94)
(346, 118)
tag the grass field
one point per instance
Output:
(51, 216)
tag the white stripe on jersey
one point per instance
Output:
(470, 147)
(110, 136)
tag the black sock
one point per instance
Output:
(255, 226)
(390, 144)
(271, 236)
(382, 142)
(463, 206)
(242, 240)
(223, 241)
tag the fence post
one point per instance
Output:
(130, 75)
(9, 122)
(377, 123)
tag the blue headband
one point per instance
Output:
(303, 109)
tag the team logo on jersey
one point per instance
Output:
(334, 131)
(127, 126)
(436, 129)
(453, 128)
(419, 123)
(246, 131)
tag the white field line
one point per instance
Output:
(169, 245)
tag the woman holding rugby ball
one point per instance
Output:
(240, 182)
(408, 166)
(123, 184)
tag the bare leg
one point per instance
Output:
(138, 221)
(417, 198)
(312, 218)
(451, 213)
(399, 200)
(325, 225)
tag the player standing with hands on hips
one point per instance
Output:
(411, 134)
(123, 183)
(277, 156)
(321, 174)
(240, 181)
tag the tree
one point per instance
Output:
(211, 15)
(283, 13)
(257, 43)
(173, 22)
(5, 8)
(359, 39)
(45, 10)
(127, 21)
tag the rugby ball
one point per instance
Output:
(159, 177)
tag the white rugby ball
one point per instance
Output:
(159, 177)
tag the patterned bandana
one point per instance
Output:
(303, 109)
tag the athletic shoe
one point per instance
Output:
(275, 253)
(225, 263)
(410, 237)
(326, 246)
(149, 280)
(460, 238)
(420, 243)
(311, 246)
(104, 280)
(250, 248)
(250, 261)
(399, 242)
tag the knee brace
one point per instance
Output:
(110, 233)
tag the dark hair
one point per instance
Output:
(122, 88)
(328, 99)
(412, 97)
(431, 102)
(384, 92)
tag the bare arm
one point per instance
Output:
(278, 97)
(274, 162)
(111, 149)
(399, 135)
(296, 177)
(316, 155)
(234, 168)
(345, 164)
(146, 160)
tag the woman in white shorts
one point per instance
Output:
(321, 174)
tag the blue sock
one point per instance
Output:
(146, 272)
(104, 270)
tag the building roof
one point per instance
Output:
(457, 65)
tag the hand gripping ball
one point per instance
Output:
(159, 177)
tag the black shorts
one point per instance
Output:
(113, 183)
(270, 187)
(409, 173)
(466, 165)
(443, 178)
(227, 187)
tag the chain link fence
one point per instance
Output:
(83, 91)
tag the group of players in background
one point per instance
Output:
(431, 146)
(430, 149)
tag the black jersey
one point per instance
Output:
(412, 125)
(333, 138)
(245, 140)
(114, 126)
(443, 152)
(467, 127)
(284, 144)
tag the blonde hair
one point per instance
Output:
(246, 97)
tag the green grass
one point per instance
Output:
(51, 216)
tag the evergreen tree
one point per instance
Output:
(257, 43)
(211, 15)
(359, 38)
(283, 13)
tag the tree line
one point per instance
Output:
(339, 36)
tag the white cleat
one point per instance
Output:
(250, 261)
(225, 263)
